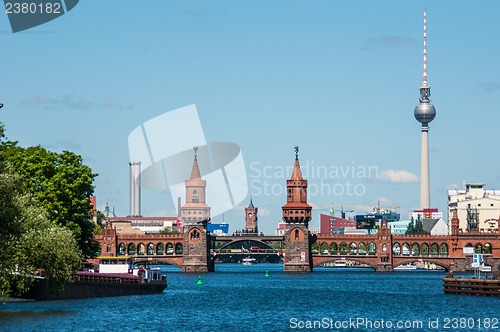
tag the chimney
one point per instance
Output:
(135, 188)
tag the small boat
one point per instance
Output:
(116, 277)
(405, 267)
(249, 261)
(340, 264)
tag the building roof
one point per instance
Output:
(195, 171)
(296, 173)
(428, 224)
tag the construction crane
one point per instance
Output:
(342, 211)
(379, 209)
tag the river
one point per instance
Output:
(242, 298)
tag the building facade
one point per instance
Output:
(328, 223)
(477, 208)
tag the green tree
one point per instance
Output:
(30, 242)
(411, 227)
(416, 227)
(61, 183)
(169, 230)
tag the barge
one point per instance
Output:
(116, 277)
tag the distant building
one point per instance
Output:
(435, 226)
(218, 229)
(251, 218)
(150, 225)
(329, 223)
(476, 207)
(350, 231)
(399, 227)
(314, 230)
(431, 213)
(280, 230)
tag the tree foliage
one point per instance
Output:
(416, 227)
(61, 183)
(169, 230)
(30, 242)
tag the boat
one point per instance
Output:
(340, 264)
(116, 277)
(405, 267)
(249, 261)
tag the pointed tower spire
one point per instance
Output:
(195, 171)
(296, 173)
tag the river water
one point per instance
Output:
(242, 298)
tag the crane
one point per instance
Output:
(336, 207)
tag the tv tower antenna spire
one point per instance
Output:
(425, 48)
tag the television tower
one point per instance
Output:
(425, 113)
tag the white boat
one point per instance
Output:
(340, 264)
(406, 267)
(249, 261)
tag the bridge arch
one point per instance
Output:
(160, 249)
(334, 248)
(122, 249)
(434, 249)
(372, 248)
(131, 249)
(443, 250)
(158, 261)
(487, 248)
(415, 249)
(151, 248)
(353, 259)
(424, 249)
(243, 239)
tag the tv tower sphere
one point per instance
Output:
(424, 111)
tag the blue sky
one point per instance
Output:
(338, 78)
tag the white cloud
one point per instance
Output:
(397, 176)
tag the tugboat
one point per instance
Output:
(116, 277)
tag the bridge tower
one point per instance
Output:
(384, 248)
(296, 215)
(195, 214)
(251, 218)
(195, 209)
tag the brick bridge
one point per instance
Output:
(381, 251)
(194, 251)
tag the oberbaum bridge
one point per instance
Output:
(194, 250)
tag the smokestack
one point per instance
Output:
(178, 207)
(135, 188)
